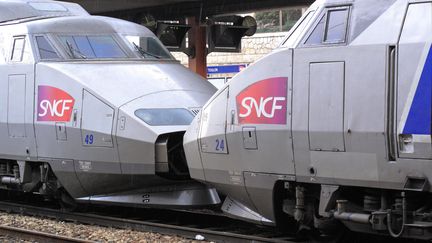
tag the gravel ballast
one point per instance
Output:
(86, 232)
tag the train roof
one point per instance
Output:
(86, 24)
(15, 10)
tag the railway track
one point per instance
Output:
(217, 231)
(31, 235)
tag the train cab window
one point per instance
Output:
(18, 49)
(316, 36)
(46, 51)
(87, 47)
(336, 25)
(149, 47)
(331, 29)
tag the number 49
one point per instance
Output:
(89, 139)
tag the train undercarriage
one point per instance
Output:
(33, 177)
(169, 186)
(327, 209)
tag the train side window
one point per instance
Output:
(18, 49)
(316, 36)
(336, 25)
(331, 29)
(46, 51)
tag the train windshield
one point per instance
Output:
(92, 47)
(149, 47)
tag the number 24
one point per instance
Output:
(220, 145)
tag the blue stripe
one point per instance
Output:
(419, 117)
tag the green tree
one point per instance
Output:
(267, 21)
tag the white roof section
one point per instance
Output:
(13, 10)
(85, 25)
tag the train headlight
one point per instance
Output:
(165, 117)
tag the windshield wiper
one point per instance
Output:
(144, 52)
(74, 51)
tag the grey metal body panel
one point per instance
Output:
(226, 173)
(97, 118)
(192, 148)
(326, 110)
(258, 187)
(182, 195)
(16, 103)
(363, 125)
(214, 124)
(65, 171)
(237, 210)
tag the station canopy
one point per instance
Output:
(184, 7)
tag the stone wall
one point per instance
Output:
(253, 48)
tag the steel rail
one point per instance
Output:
(31, 235)
(169, 229)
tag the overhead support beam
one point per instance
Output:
(197, 42)
(201, 8)
(105, 6)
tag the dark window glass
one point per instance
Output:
(317, 34)
(18, 49)
(149, 47)
(46, 51)
(336, 25)
(105, 47)
(69, 40)
(154, 47)
(84, 47)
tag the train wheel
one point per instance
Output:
(67, 203)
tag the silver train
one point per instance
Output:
(332, 128)
(93, 109)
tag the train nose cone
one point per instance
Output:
(122, 82)
(190, 144)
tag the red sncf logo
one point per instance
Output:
(54, 104)
(264, 102)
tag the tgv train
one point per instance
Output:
(93, 109)
(332, 128)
